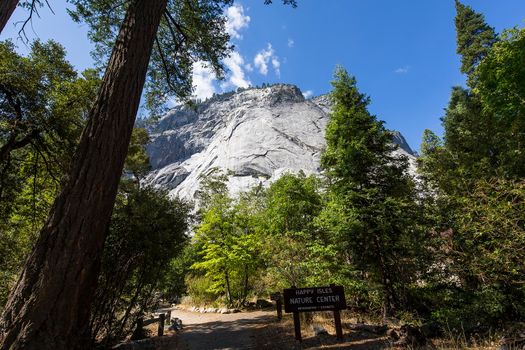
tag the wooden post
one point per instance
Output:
(337, 321)
(297, 326)
(338, 327)
(279, 303)
(138, 333)
(160, 332)
(168, 318)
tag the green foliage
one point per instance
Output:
(43, 104)
(145, 253)
(474, 37)
(137, 160)
(373, 195)
(487, 251)
(470, 148)
(179, 270)
(191, 32)
(147, 232)
(293, 202)
(227, 240)
(262, 241)
(474, 178)
(200, 289)
(501, 91)
(296, 253)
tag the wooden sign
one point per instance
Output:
(314, 299)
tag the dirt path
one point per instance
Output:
(260, 330)
(203, 331)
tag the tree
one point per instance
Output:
(43, 107)
(215, 233)
(499, 85)
(474, 37)
(50, 306)
(6, 10)
(475, 179)
(292, 243)
(147, 231)
(472, 144)
(226, 236)
(56, 288)
(373, 191)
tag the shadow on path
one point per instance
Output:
(237, 334)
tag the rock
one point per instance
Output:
(410, 336)
(393, 321)
(176, 324)
(148, 344)
(256, 135)
(224, 311)
(430, 329)
(319, 330)
(263, 303)
(370, 328)
(393, 334)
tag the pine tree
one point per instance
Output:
(474, 37)
(470, 147)
(372, 186)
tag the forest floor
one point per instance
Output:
(262, 330)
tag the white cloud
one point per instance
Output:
(290, 42)
(203, 78)
(236, 76)
(402, 70)
(264, 58)
(236, 20)
(308, 93)
(276, 66)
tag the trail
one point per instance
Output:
(203, 331)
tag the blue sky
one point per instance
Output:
(401, 52)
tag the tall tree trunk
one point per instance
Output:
(50, 306)
(389, 298)
(228, 290)
(7, 7)
(245, 289)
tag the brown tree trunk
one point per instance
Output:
(50, 305)
(389, 297)
(245, 289)
(228, 290)
(7, 7)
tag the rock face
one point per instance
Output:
(256, 135)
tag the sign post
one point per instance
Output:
(338, 327)
(278, 298)
(330, 298)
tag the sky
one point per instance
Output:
(402, 53)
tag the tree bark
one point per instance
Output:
(7, 7)
(389, 298)
(50, 306)
(228, 290)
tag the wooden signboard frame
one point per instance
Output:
(330, 298)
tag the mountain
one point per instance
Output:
(256, 135)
